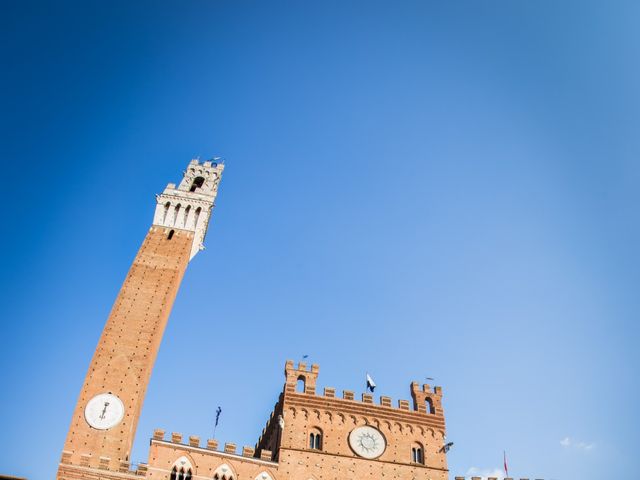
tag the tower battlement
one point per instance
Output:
(188, 206)
(300, 380)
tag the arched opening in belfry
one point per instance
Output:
(197, 183)
(196, 217)
(429, 404)
(166, 210)
(186, 215)
(300, 384)
(176, 212)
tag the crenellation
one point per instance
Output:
(367, 398)
(158, 434)
(329, 392)
(348, 394)
(212, 444)
(124, 466)
(248, 451)
(176, 437)
(266, 455)
(85, 459)
(230, 448)
(385, 401)
(194, 441)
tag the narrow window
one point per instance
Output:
(188, 475)
(166, 210)
(429, 405)
(170, 236)
(300, 385)
(197, 183)
(186, 215)
(315, 439)
(195, 218)
(417, 454)
(175, 213)
(173, 473)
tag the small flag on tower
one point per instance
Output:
(215, 427)
(371, 385)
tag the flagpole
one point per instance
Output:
(504, 458)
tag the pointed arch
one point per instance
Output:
(264, 476)
(224, 472)
(182, 469)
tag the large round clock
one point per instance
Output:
(367, 442)
(104, 411)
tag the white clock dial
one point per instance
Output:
(367, 442)
(104, 411)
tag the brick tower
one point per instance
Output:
(106, 415)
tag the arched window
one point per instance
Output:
(170, 236)
(175, 213)
(180, 474)
(166, 210)
(223, 472)
(197, 183)
(181, 470)
(429, 405)
(197, 215)
(417, 454)
(315, 439)
(300, 384)
(186, 215)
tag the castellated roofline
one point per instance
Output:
(212, 447)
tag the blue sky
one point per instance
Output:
(413, 189)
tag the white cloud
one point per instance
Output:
(568, 442)
(485, 472)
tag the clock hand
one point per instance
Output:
(104, 410)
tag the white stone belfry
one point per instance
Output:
(188, 207)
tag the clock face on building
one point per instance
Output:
(104, 411)
(367, 442)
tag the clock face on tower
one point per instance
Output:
(367, 442)
(104, 411)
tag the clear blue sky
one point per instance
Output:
(446, 189)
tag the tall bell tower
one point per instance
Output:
(106, 416)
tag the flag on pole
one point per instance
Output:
(506, 469)
(218, 412)
(371, 385)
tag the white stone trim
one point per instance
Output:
(182, 209)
